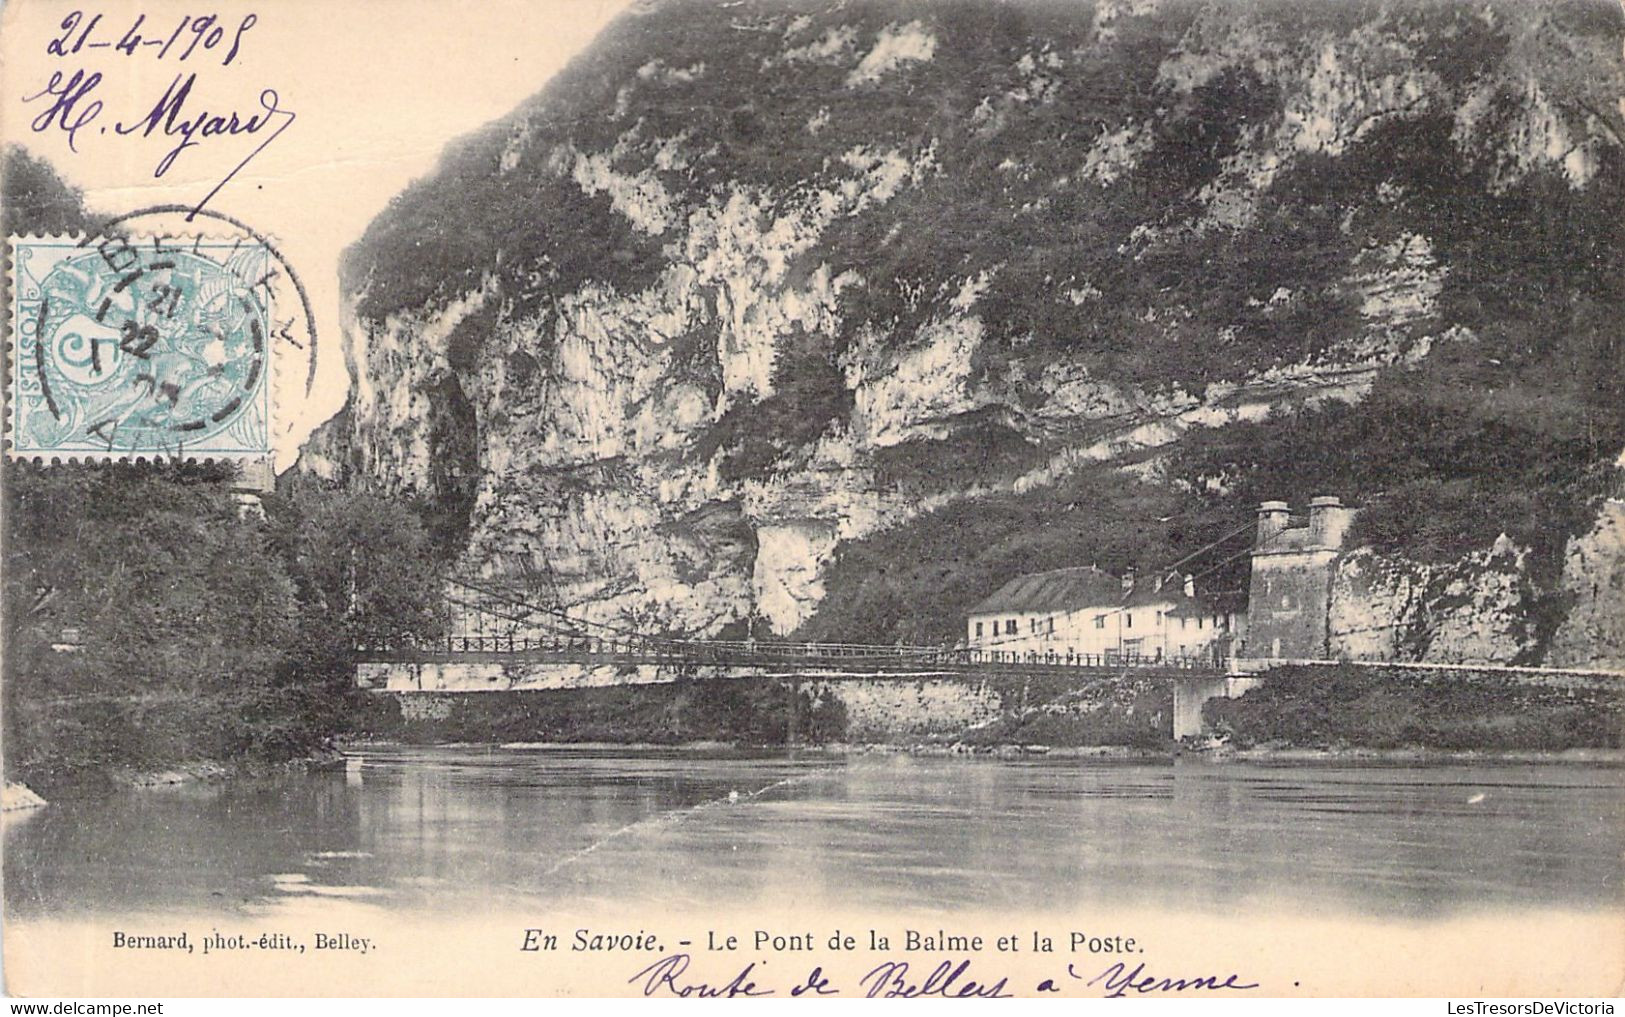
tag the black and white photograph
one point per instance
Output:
(814, 498)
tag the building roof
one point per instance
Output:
(1056, 590)
(1147, 592)
(1069, 589)
(1190, 607)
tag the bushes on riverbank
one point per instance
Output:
(747, 712)
(147, 624)
(1383, 708)
(1035, 711)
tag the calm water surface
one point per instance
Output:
(432, 829)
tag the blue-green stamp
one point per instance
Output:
(123, 349)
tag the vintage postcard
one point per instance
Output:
(839, 498)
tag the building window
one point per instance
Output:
(1182, 624)
(1052, 626)
(1128, 621)
(978, 630)
(1198, 621)
(1010, 627)
(1100, 621)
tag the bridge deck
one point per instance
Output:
(821, 659)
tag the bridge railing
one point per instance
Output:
(744, 651)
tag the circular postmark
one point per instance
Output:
(148, 340)
(295, 329)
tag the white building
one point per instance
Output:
(1084, 612)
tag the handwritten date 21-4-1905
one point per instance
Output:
(188, 35)
(68, 103)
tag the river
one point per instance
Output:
(465, 830)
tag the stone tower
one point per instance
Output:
(1290, 593)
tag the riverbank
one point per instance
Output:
(204, 771)
(1310, 709)
(1417, 756)
(113, 778)
(1345, 707)
(984, 711)
(1309, 714)
(1210, 751)
(1222, 753)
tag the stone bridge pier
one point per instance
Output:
(1191, 693)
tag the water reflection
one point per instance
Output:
(467, 829)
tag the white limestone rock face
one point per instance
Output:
(1486, 608)
(1479, 609)
(1374, 606)
(681, 413)
(1472, 611)
(1592, 634)
(396, 365)
(787, 583)
(900, 393)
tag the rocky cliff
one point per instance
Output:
(833, 315)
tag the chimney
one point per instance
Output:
(1128, 582)
(1190, 585)
(1328, 521)
(1272, 519)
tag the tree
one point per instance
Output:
(33, 199)
(179, 614)
(366, 574)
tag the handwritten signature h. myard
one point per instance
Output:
(72, 107)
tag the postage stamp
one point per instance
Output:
(127, 347)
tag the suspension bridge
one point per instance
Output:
(517, 638)
(496, 624)
(503, 636)
(506, 639)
